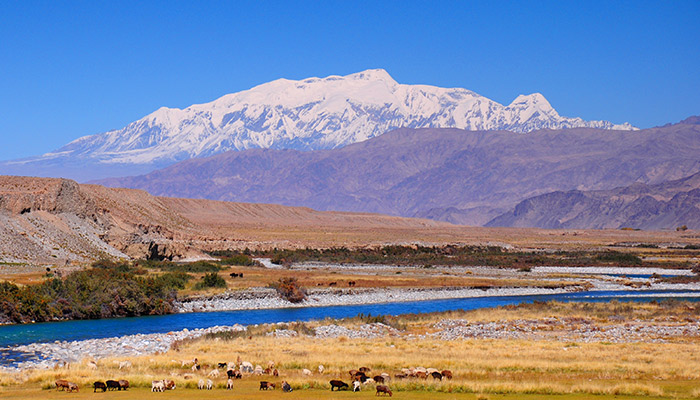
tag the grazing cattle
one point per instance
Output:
(386, 376)
(364, 370)
(383, 389)
(72, 387)
(421, 369)
(157, 386)
(436, 375)
(258, 370)
(271, 364)
(221, 365)
(169, 385)
(265, 385)
(286, 387)
(234, 374)
(123, 384)
(401, 376)
(229, 384)
(99, 385)
(306, 372)
(321, 368)
(379, 379)
(447, 374)
(200, 384)
(124, 364)
(61, 384)
(275, 372)
(356, 386)
(113, 385)
(421, 375)
(210, 384)
(369, 381)
(214, 373)
(338, 384)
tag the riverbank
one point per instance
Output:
(266, 298)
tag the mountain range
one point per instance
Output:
(662, 206)
(464, 177)
(309, 114)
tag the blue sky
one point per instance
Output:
(75, 68)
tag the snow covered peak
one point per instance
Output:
(531, 100)
(314, 113)
(372, 75)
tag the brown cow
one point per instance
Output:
(168, 384)
(422, 375)
(338, 384)
(379, 379)
(123, 384)
(383, 389)
(364, 370)
(265, 385)
(61, 384)
(72, 387)
(447, 374)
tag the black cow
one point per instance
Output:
(113, 385)
(99, 385)
(338, 384)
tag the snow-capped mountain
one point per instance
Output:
(314, 113)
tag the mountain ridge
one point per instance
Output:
(666, 205)
(463, 177)
(308, 114)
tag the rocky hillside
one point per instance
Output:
(664, 206)
(58, 221)
(464, 177)
(310, 114)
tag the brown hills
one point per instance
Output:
(58, 221)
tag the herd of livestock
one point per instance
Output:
(358, 377)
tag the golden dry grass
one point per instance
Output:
(492, 368)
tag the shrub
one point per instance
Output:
(289, 289)
(619, 258)
(211, 280)
(239, 259)
(106, 291)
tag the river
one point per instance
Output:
(12, 335)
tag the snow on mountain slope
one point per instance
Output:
(314, 113)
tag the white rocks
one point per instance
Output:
(131, 345)
(263, 298)
(366, 331)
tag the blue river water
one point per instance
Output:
(12, 335)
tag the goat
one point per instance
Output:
(383, 389)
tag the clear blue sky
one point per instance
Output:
(74, 68)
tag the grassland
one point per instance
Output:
(548, 368)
